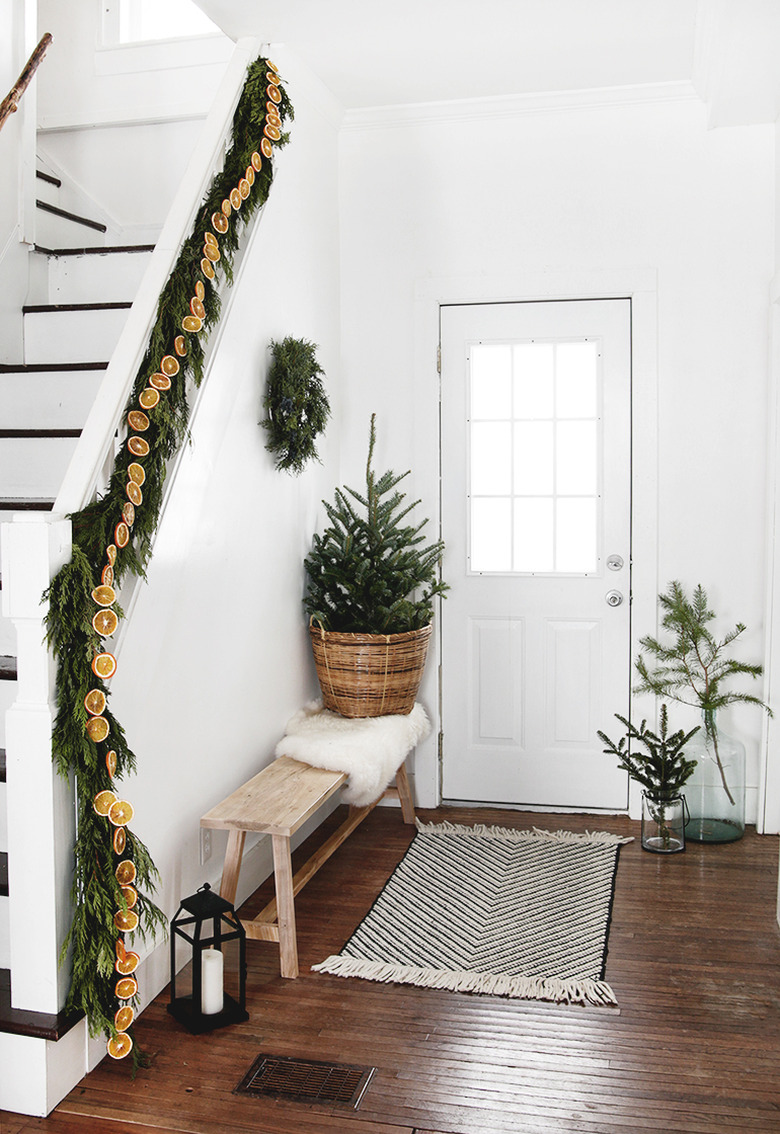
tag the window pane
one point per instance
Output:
(534, 379)
(576, 463)
(576, 535)
(533, 458)
(576, 380)
(491, 458)
(533, 542)
(491, 381)
(491, 535)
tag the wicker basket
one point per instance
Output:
(369, 675)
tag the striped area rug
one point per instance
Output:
(491, 910)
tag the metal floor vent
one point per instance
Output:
(306, 1080)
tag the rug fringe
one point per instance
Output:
(481, 831)
(557, 989)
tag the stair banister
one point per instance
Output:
(10, 103)
(94, 454)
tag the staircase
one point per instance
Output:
(81, 289)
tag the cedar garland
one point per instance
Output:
(96, 941)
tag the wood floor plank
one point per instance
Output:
(694, 1047)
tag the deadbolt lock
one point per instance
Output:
(615, 562)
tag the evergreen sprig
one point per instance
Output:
(659, 765)
(369, 572)
(91, 939)
(296, 405)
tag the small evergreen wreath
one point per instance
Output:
(295, 402)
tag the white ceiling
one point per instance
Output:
(392, 52)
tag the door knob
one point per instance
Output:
(614, 598)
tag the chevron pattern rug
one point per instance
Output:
(491, 910)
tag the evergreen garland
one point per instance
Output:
(370, 572)
(295, 402)
(188, 307)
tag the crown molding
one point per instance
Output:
(513, 106)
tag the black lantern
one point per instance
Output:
(208, 1006)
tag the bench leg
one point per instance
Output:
(285, 904)
(405, 795)
(233, 855)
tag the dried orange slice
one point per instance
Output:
(119, 1046)
(207, 268)
(192, 324)
(138, 446)
(111, 554)
(272, 112)
(130, 894)
(197, 308)
(104, 665)
(250, 175)
(125, 873)
(272, 132)
(227, 208)
(105, 622)
(111, 763)
(267, 148)
(148, 398)
(169, 365)
(127, 964)
(210, 238)
(244, 188)
(95, 702)
(128, 514)
(102, 802)
(134, 494)
(136, 472)
(274, 93)
(104, 596)
(212, 253)
(200, 290)
(137, 420)
(121, 952)
(235, 198)
(162, 381)
(219, 221)
(180, 346)
(257, 161)
(107, 576)
(126, 988)
(123, 1018)
(97, 729)
(120, 839)
(126, 920)
(121, 812)
(121, 534)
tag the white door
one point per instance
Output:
(536, 510)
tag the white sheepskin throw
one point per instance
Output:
(369, 749)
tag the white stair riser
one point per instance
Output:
(5, 934)
(34, 467)
(108, 278)
(7, 698)
(57, 399)
(72, 336)
(52, 231)
(7, 639)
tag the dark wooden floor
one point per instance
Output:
(695, 1047)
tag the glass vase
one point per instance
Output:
(663, 824)
(715, 793)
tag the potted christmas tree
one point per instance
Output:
(371, 584)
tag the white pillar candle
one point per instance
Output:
(211, 982)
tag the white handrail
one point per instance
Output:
(94, 455)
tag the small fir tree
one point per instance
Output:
(371, 571)
(659, 765)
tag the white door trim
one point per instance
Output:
(641, 286)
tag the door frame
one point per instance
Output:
(641, 287)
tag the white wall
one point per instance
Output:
(215, 658)
(602, 189)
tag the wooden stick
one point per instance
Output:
(10, 103)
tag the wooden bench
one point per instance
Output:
(277, 802)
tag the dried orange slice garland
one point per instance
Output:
(147, 419)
